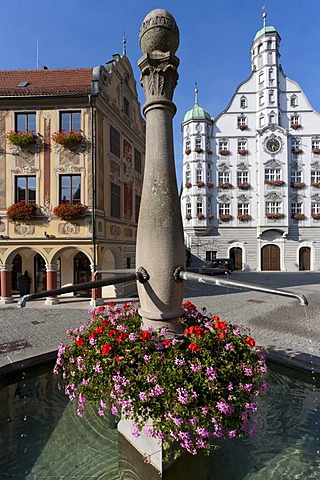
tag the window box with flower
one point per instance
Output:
(22, 139)
(274, 183)
(243, 152)
(208, 150)
(199, 183)
(200, 216)
(198, 149)
(68, 140)
(188, 216)
(144, 375)
(244, 217)
(298, 216)
(275, 215)
(242, 126)
(188, 185)
(244, 185)
(295, 126)
(210, 216)
(224, 152)
(69, 211)
(209, 184)
(225, 186)
(187, 151)
(21, 211)
(296, 150)
(225, 217)
(315, 216)
(297, 185)
(315, 184)
(316, 150)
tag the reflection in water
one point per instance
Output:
(41, 437)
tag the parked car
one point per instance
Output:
(219, 265)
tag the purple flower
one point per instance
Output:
(196, 367)
(148, 431)
(100, 412)
(179, 362)
(183, 396)
(97, 368)
(133, 337)
(147, 358)
(229, 346)
(143, 396)
(114, 410)
(232, 433)
(248, 372)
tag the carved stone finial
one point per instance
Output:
(159, 32)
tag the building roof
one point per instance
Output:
(197, 112)
(264, 29)
(23, 83)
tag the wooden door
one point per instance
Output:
(304, 258)
(236, 256)
(270, 258)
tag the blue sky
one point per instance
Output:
(215, 38)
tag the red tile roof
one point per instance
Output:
(45, 82)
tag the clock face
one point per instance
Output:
(273, 145)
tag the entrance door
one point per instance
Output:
(82, 273)
(40, 274)
(304, 258)
(236, 256)
(270, 258)
(16, 271)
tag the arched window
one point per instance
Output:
(261, 121)
(243, 102)
(293, 101)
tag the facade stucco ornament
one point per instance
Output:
(69, 167)
(315, 197)
(274, 196)
(273, 163)
(223, 167)
(243, 166)
(25, 169)
(315, 165)
(158, 230)
(47, 210)
(243, 198)
(224, 198)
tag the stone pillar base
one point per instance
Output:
(5, 300)
(51, 301)
(141, 458)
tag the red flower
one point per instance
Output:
(117, 358)
(221, 335)
(99, 329)
(215, 318)
(121, 336)
(145, 335)
(106, 349)
(111, 304)
(188, 304)
(105, 323)
(79, 341)
(193, 347)
(250, 341)
(221, 325)
(101, 308)
(112, 332)
(166, 343)
(92, 335)
(194, 330)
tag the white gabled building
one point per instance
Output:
(251, 176)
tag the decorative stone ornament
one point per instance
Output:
(159, 32)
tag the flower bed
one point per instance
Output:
(68, 211)
(244, 185)
(298, 216)
(244, 217)
(194, 389)
(21, 139)
(68, 139)
(21, 211)
(225, 186)
(225, 217)
(297, 185)
(274, 183)
(274, 216)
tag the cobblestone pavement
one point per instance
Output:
(280, 324)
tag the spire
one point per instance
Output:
(196, 94)
(124, 44)
(264, 16)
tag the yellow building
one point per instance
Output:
(69, 138)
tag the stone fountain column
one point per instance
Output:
(160, 244)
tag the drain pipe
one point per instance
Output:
(181, 274)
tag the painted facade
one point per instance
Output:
(251, 176)
(103, 171)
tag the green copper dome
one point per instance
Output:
(264, 30)
(196, 113)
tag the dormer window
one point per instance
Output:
(243, 102)
(293, 101)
